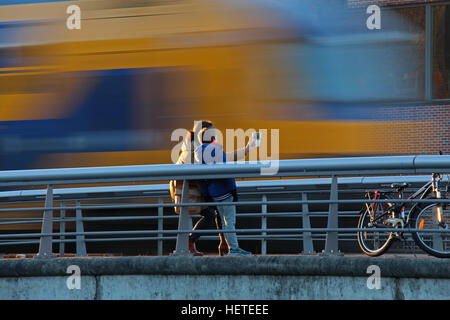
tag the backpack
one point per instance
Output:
(195, 194)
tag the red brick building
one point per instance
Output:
(421, 126)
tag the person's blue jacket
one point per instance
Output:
(218, 189)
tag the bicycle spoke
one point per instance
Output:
(375, 240)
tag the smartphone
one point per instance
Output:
(257, 137)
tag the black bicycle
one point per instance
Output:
(432, 218)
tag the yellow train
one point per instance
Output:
(113, 91)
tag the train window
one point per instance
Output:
(441, 52)
(121, 4)
(23, 56)
(9, 56)
(354, 64)
(14, 82)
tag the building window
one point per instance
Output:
(412, 21)
(441, 52)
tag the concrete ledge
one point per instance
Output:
(225, 278)
(255, 265)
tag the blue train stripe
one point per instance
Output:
(15, 2)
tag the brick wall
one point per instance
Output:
(415, 129)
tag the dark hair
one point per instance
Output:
(198, 127)
(202, 137)
(204, 124)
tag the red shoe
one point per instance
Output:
(193, 249)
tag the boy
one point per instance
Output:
(220, 190)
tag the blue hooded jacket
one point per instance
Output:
(218, 189)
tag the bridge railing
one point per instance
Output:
(336, 175)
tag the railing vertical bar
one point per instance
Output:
(62, 229)
(264, 225)
(80, 239)
(160, 227)
(331, 242)
(308, 246)
(437, 238)
(181, 247)
(45, 243)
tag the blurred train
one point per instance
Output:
(113, 91)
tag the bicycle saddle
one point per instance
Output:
(400, 186)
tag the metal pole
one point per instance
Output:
(308, 247)
(45, 244)
(81, 243)
(292, 167)
(62, 228)
(182, 247)
(160, 227)
(331, 243)
(437, 238)
(264, 225)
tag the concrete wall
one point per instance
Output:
(216, 278)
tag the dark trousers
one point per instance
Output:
(209, 215)
(205, 222)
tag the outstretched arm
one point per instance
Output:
(238, 154)
(241, 153)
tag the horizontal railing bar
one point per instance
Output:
(255, 193)
(198, 215)
(408, 242)
(19, 218)
(298, 167)
(238, 203)
(20, 222)
(240, 237)
(346, 184)
(57, 199)
(11, 221)
(204, 238)
(273, 230)
(21, 242)
(245, 186)
(208, 235)
(244, 193)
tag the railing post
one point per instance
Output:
(81, 243)
(182, 246)
(437, 237)
(45, 244)
(308, 246)
(160, 227)
(331, 244)
(264, 225)
(62, 228)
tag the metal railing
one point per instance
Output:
(364, 172)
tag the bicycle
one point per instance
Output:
(400, 216)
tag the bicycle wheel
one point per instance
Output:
(436, 244)
(375, 241)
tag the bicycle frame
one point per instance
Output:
(423, 192)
